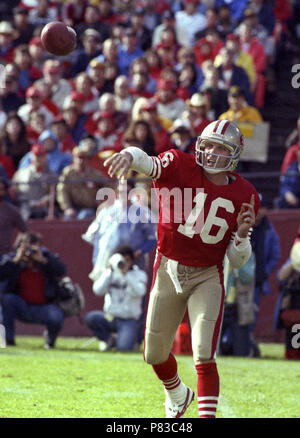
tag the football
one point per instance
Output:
(58, 38)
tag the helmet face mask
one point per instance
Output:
(226, 134)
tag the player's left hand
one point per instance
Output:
(246, 218)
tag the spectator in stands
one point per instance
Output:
(77, 200)
(8, 35)
(138, 86)
(187, 81)
(154, 64)
(191, 21)
(106, 135)
(42, 14)
(265, 14)
(75, 121)
(239, 110)
(28, 73)
(10, 98)
(251, 45)
(73, 12)
(92, 21)
(6, 162)
(196, 113)
(57, 160)
(290, 157)
(235, 8)
(148, 113)
(235, 339)
(32, 184)
(169, 107)
(137, 22)
(211, 15)
(115, 226)
(214, 90)
(21, 24)
(109, 51)
(14, 138)
(31, 272)
(84, 94)
(167, 20)
(139, 134)
(35, 126)
(52, 76)
(287, 312)
(37, 52)
(232, 74)
(140, 65)
(289, 188)
(181, 136)
(128, 51)
(123, 98)
(123, 285)
(10, 219)
(226, 23)
(91, 40)
(60, 129)
(266, 247)
(34, 102)
(96, 72)
(107, 103)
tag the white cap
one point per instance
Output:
(295, 256)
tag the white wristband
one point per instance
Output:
(241, 243)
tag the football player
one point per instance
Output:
(212, 218)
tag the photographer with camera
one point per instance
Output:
(31, 273)
(123, 285)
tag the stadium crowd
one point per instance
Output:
(145, 73)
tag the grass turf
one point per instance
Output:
(75, 380)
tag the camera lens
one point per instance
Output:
(121, 265)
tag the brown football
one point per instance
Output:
(58, 38)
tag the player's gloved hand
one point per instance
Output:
(246, 218)
(119, 165)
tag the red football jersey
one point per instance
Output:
(197, 218)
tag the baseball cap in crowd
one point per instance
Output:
(35, 41)
(33, 92)
(164, 45)
(180, 125)
(295, 256)
(77, 96)
(38, 149)
(249, 13)
(232, 37)
(196, 100)
(91, 33)
(150, 105)
(20, 10)
(165, 84)
(94, 63)
(8, 29)
(236, 91)
(81, 152)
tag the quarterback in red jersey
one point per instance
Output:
(206, 213)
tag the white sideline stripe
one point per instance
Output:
(224, 407)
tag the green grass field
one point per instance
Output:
(75, 380)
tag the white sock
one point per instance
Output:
(175, 389)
